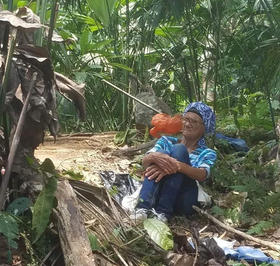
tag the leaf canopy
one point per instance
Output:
(102, 9)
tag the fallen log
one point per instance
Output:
(237, 232)
(134, 149)
(70, 224)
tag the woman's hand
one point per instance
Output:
(165, 162)
(154, 172)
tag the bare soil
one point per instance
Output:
(83, 153)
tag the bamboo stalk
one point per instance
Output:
(41, 9)
(129, 95)
(10, 5)
(15, 143)
(52, 23)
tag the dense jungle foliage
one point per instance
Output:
(223, 52)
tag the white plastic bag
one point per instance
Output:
(203, 198)
(129, 202)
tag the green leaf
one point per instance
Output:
(9, 228)
(43, 208)
(94, 244)
(19, 206)
(21, 3)
(102, 9)
(121, 66)
(30, 161)
(94, 28)
(165, 31)
(85, 41)
(100, 44)
(160, 233)
(73, 175)
(48, 166)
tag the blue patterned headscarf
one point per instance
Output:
(208, 117)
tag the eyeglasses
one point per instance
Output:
(191, 121)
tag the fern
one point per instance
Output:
(260, 227)
(216, 210)
(272, 201)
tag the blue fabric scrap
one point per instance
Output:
(237, 144)
(249, 254)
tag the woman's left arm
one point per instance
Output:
(198, 174)
(155, 172)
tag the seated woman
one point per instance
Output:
(173, 166)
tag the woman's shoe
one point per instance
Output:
(160, 216)
(139, 215)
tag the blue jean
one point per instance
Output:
(173, 194)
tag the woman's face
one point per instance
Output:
(193, 126)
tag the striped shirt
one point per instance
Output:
(201, 157)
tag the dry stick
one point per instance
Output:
(115, 250)
(196, 251)
(242, 234)
(131, 96)
(134, 149)
(8, 63)
(15, 143)
(49, 254)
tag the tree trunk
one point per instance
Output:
(72, 233)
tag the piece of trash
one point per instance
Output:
(249, 254)
(119, 185)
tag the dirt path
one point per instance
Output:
(85, 154)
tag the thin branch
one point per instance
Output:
(15, 143)
(8, 63)
(237, 232)
(129, 95)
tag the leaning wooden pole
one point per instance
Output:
(131, 96)
(15, 143)
(8, 63)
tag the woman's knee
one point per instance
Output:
(163, 151)
(180, 153)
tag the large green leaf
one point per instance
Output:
(19, 206)
(102, 9)
(9, 228)
(159, 232)
(43, 208)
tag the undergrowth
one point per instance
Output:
(244, 182)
